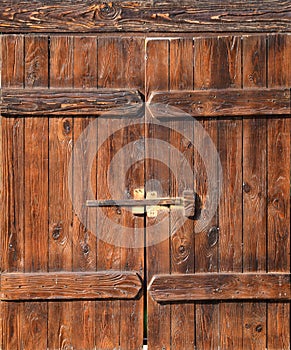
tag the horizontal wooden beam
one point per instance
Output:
(70, 285)
(223, 102)
(145, 16)
(32, 102)
(220, 286)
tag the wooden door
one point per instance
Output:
(217, 286)
(74, 127)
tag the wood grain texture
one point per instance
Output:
(157, 78)
(229, 146)
(36, 61)
(227, 102)
(108, 255)
(120, 323)
(254, 191)
(206, 239)
(278, 206)
(66, 285)
(84, 242)
(36, 196)
(220, 286)
(12, 73)
(12, 191)
(145, 16)
(77, 102)
(182, 239)
(60, 325)
(126, 69)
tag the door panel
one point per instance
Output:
(38, 149)
(249, 232)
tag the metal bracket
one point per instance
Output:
(152, 204)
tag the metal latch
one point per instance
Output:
(152, 204)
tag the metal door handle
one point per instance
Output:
(151, 204)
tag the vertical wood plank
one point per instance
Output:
(131, 54)
(230, 207)
(84, 242)
(182, 239)
(218, 65)
(12, 74)
(36, 61)
(279, 75)
(36, 193)
(254, 190)
(158, 255)
(121, 322)
(108, 256)
(12, 230)
(12, 191)
(127, 54)
(60, 328)
(206, 249)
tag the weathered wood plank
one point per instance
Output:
(120, 323)
(70, 285)
(254, 190)
(182, 238)
(12, 72)
(125, 69)
(36, 61)
(84, 242)
(60, 324)
(229, 145)
(34, 318)
(220, 286)
(206, 239)
(12, 189)
(278, 167)
(108, 255)
(72, 102)
(227, 102)
(157, 255)
(145, 16)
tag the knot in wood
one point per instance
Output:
(212, 235)
(67, 127)
(109, 11)
(182, 249)
(86, 249)
(259, 328)
(57, 231)
(246, 187)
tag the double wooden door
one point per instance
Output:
(101, 117)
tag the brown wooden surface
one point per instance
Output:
(74, 285)
(206, 240)
(278, 207)
(254, 191)
(121, 323)
(229, 135)
(158, 316)
(248, 236)
(12, 192)
(227, 102)
(60, 325)
(84, 248)
(144, 16)
(36, 144)
(181, 240)
(73, 102)
(220, 286)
